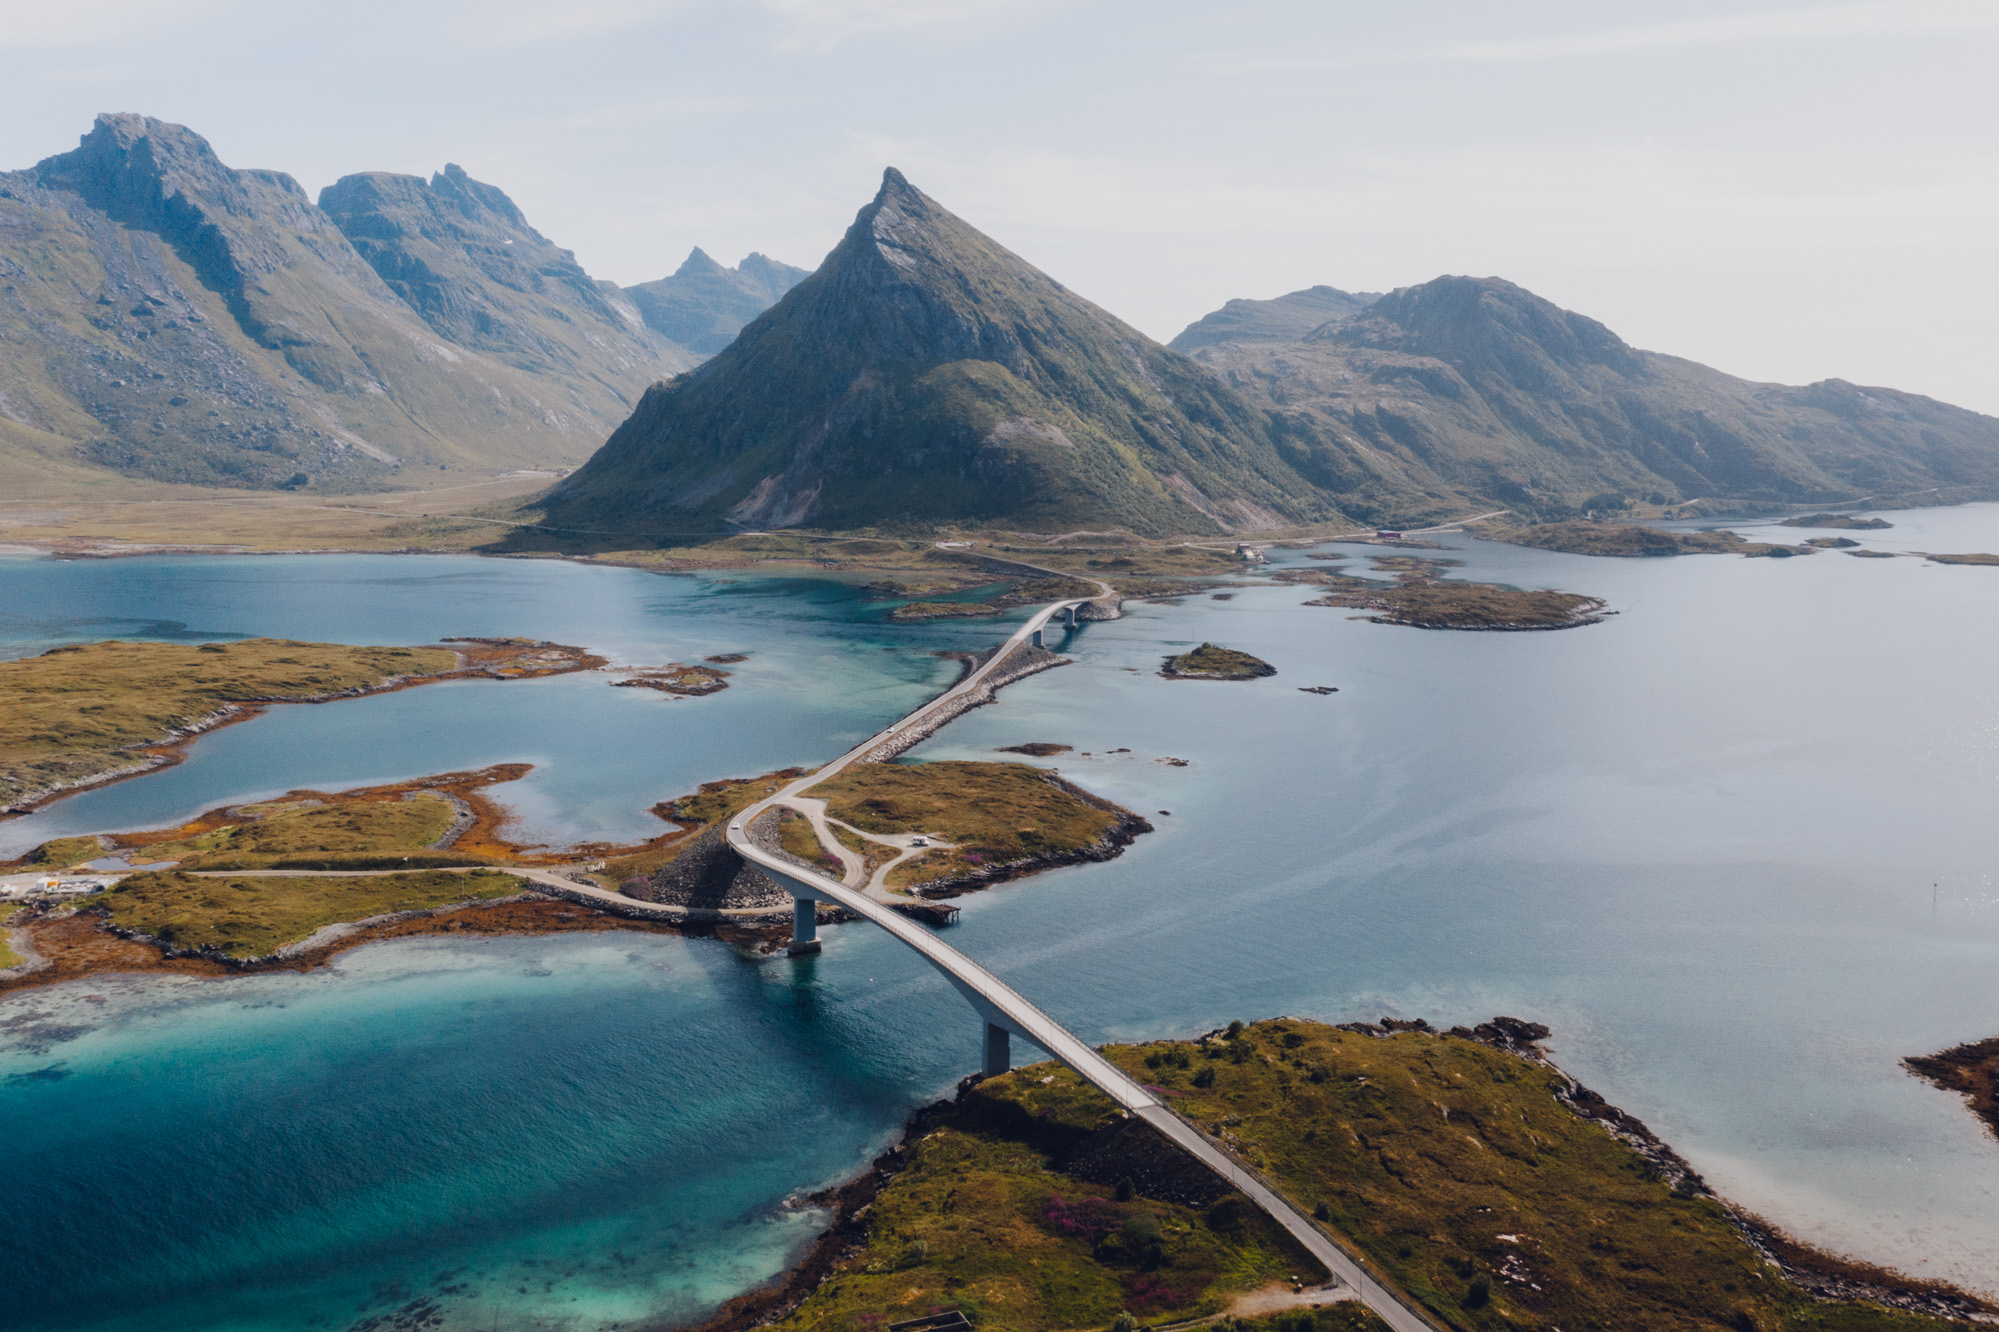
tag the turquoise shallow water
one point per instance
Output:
(1735, 845)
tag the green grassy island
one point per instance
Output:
(1838, 521)
(1419, 597)
(1582, 537)
(1493, 1189)
(1003, 820)
(90, 712)
(254, 916)
(1209, 662)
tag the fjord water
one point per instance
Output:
(1734, 845)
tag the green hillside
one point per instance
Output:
(925, 375)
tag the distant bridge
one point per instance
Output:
(1005, 1013)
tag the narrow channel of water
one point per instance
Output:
(1734, 844)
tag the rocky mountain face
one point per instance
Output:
(166, 315)
(703, 305)
(460, 254)
(925, 375)
(1286, 318)
(1477, 388)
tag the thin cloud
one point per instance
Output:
(824, 24)
(87, 22)
(1837, 22)
(1905, 18)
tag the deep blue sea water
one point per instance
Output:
(1735, 845)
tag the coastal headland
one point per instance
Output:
(1491, 1186)
(1971, 1069)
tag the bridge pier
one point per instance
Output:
(1035, 638)
(804, 926)
(999, 1050)
(1069, 616)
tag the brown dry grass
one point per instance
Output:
(74, 713)
(255, 915)
(1430, 1151)
(979, 1218)
(995, 812)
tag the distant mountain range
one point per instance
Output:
(1477, 388)
(168, 316)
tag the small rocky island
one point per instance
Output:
(1210, 662)
(1634, 540)
(1420, 597)
(678, 678)
(1838, 521)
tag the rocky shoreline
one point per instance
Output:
(1825, 1275)
(74, 945)
(1025, 660)
(1971, 1070)
(1128, 828)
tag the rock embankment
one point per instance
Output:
(708, 876)
(1024, 660)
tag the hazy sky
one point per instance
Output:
(1788, 192)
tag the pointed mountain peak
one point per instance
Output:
(473, 197)
(925, 374)
(898, 199)
(698, 264)
(121, 145)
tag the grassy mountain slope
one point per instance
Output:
(1477, 387)
(703, 305)
(460, 253)
(1285, 318)
(925, 375)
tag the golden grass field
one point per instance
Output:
(75, 713)
(996, 813)
(255, 915)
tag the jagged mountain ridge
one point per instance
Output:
(166, 315)
(925, 375)
(1285, 318)
(702, 305)
(1478, 387)
(460, 253)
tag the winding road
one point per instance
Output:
(1006, 1009)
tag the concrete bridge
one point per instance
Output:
(1004, 1013)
